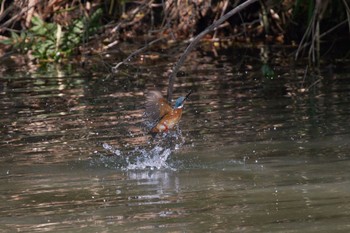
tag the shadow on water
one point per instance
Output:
(251, 153)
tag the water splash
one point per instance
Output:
(153, 156)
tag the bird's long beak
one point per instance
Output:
(186, 97)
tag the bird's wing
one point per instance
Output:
(156, 106)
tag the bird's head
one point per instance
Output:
(181, 100)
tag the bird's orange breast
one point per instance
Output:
(168, 122)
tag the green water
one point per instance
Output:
(252, 154)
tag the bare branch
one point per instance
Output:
(140, 50)
(198, 38)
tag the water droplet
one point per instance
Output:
(117, 152)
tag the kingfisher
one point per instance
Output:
(161, 114)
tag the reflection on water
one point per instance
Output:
(251, 154)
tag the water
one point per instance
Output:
(252, 154)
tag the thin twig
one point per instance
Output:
(132, 19)
(347, 9)
(305, 36)
(305, 73)
(2, 9)
(321, 36)
(140, 50)
(198, 38)
(314, 83)
(16, 16)
(222, 13)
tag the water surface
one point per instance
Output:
(252, 153)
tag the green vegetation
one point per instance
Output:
(51, 41)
